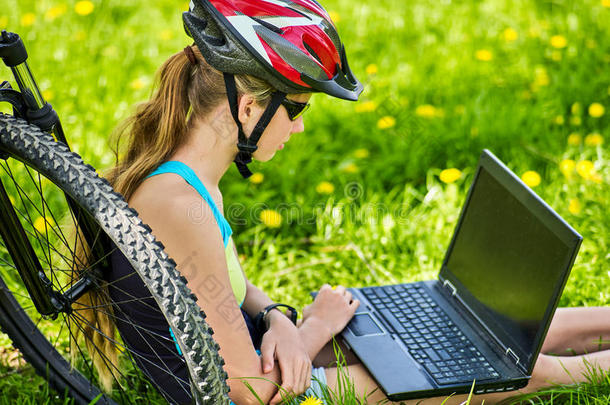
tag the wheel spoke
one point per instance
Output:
(68, 250)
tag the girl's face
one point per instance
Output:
(279, 129)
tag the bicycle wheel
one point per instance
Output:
(36, 172)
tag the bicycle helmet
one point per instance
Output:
(292, 44)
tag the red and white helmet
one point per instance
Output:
(292, 44)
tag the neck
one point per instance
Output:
(210, 148)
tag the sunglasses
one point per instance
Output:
(294, 108)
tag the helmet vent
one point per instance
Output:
(312, 52)
(269, 26)
(299, 12)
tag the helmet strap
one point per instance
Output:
(247, 145)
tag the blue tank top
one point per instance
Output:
(137, 312)
(236, 276)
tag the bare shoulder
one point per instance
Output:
(180, 218)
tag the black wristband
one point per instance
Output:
(259, 320)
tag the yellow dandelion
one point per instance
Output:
(558, 41)
(596, 110)
(559, 120)
(483, 55)
(310, 400)
(55, 11)
(84, 7)
(334, 16)
(533, 32)
(575, 120)
(40, 224)
(361, 153)
(510, 35)
(450, 175)
(271, 218)
(47, 95)
(594, 139)
(350, 168)
(426, 111)
(556, 56)
(137, 84)
(365, 106)
(3, 22)
(595, 178)
(606, 3)
(566, 167)
(574, 139)
(185, 6)
(111, 51)
(585, 169)
(325, 187)
(166, 34)
(28, 19)
(541, 77)
(576, 108)
(257, 178)
(371, 69)
(574, 206)
(531, 178)
(386, 122)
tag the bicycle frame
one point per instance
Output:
(29, 103)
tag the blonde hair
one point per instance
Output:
(159, 126)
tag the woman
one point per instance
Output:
(239, 94)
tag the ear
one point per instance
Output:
(246, 108)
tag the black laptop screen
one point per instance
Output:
(509, 260)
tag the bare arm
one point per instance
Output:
(313, 333)
(198, 249)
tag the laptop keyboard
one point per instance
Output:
(430, 336)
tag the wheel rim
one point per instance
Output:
(44, 214)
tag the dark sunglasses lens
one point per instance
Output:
(294, 109)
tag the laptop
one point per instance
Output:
(485, 318)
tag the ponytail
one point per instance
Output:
(155, 131)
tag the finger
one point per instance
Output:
(278, 397)
(306, 377)
(267, 355)
(301, 378)
(340, 289)
(287, 387)
(354, 304)
(348, 296)
(325, 287)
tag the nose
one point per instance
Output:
(298, 125)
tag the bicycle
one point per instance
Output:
(47, 274)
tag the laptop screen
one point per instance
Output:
(509, 261)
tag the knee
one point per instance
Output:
(542, 373)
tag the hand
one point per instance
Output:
(283, 343)
(333, 307)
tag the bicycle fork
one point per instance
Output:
(30, 104)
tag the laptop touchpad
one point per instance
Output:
(363, 325)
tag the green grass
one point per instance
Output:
(389, 217)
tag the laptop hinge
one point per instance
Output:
(447, 284)
(510, 353)
(449, 288)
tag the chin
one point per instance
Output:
(263, 157)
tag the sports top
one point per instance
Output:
(238, 282)
(142, 325)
